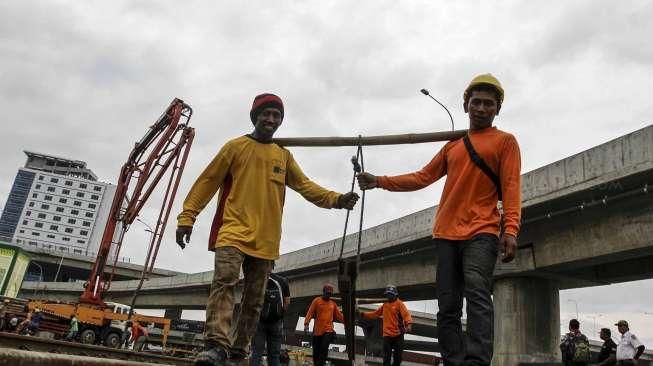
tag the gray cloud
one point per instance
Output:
(84, 80)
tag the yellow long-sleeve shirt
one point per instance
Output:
(252, 178)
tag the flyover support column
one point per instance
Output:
(526, 321)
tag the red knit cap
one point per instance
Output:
(263, 101)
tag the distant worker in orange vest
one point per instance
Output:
(324, 310)
(482, 169)
(396, 322)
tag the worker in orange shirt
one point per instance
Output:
(482, 169)
(324, 310)
(396, 322)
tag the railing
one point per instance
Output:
(57, 251)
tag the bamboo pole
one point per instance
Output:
(409, 138)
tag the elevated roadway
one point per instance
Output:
(67, 266)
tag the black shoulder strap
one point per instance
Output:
(481, 164)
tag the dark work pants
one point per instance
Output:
(393, 347)
(321, 348)
(465, 268)
(269, 334)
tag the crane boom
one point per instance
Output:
(165, 145)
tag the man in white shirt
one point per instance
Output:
(629, 347)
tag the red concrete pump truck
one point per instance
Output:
(163, 149)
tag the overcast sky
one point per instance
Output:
(84, 80)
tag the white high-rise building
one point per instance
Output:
(57, 204)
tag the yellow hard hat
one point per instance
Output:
(485, 79)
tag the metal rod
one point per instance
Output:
(409, 138)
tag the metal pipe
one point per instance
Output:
(409, 138)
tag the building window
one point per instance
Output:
(83, 232)
(97, 188)
(82, 185)
(48, 198)
(69, 183)
(54, 180)
(38, 224)
(91, 205)
(40, 177)
(56, 218)
(89, 214)
(62, 200)
(63, 249)
(24, 222)
(38, 186)
(22, 232)
(80, 241)
(41, 216)
(77, 203)
(32, 243)
(34, 233)
(50, 189)
(65, 238)
(68, 230)
(28, 213)
(34, 195)
(65, 191)
(50, 236)
(71, 221)
(59, 209)
(77, 251)
(45, 207)
(54, 227)
(80, 194)
(95, 197)
(86, 223)
(74, 212)
(31, 204)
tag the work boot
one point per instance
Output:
(237, 359)
(214, 356)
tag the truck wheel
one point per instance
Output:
(87, 336)
(112, 340)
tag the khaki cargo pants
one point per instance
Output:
(220, 307)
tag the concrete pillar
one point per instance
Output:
(373, 331)
(173, 313)
(526, 321)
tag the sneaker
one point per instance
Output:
(215, 356)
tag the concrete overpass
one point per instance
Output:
(68, 266)
(587, 221)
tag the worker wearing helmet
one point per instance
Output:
(482, 169)
(396, 322)
(252, 173)
(324, 310)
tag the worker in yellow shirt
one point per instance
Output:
(251, 173)
(397, 321)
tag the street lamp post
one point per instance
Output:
(40, 276)
(576, 303)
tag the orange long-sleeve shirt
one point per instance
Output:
(395, 317)
(468, 205)
(324, 312)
